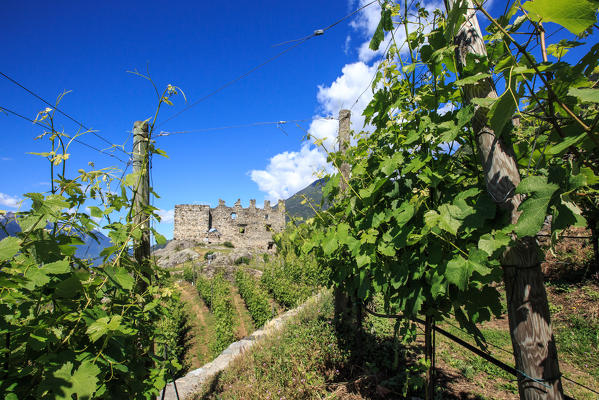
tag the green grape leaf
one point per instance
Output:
(457, 272)
(565, 143)
(82, 383)
(431, 218)
(132, 178)
(120, 276)
(329, 244)
(469, 80)
(585, 94)
(385, 23)
(362, 260)
(68, 288)
(95, 212)
(57, 267)
(391, 164)
(574, 15)
(565, 215)
(534, 207)
(103, 326)
(449, 218)
(9, 246)
(36, 277)
(404, 213)
(490, 244)
(486, 102)
(159, 238)
(502, 111)
(386, 249)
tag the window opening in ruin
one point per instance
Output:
(266, 216)
(233, 215)
(270, 245)
(268, 227)
(242, 229)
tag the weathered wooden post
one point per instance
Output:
(348, 311)
(141, 200)
(429, 356)
(344, 124)
(528, 310)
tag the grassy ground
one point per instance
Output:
(242, 319)
(310, 359)
(297, 362)
(202, 323)
(307, 359)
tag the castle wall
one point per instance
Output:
(244, 227)
(191, 221)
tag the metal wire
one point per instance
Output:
(278, 123)
(57, 109)
(318, 32)
(74, 139)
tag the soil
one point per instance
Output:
(197, 311)
(244, 322)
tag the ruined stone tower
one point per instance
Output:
(244, 227)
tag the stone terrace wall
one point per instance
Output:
(189, 385)
(244, 227)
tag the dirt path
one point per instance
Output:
(202, 323)
(244, 325)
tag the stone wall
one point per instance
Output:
(191, 221)
(190, 385)
(244, 227)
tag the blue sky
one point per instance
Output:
(87, 47)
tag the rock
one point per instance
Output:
(169, 260)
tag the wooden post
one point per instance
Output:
(428, 356)
(142, 194)
(344, 124)
(342, 301)
(528, 310)
(348, 311)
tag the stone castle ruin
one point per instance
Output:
(244, 227)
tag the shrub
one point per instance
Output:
(204, 289)
(297, 362)
(188, 273)
(172, 340)
(285, 291)
(228, 244)
(254, 296)
(217, 295)
(71, 328)
(242, 260)
(208, 254)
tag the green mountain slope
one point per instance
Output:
(313, 193)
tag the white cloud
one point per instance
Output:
(346, 47)
(9, 201)
(166, 216)
(447, 107)
(352, 85)
(5, 158)
(289, 172)
(367, 19)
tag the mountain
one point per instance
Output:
(90, 249)
(313, 194)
